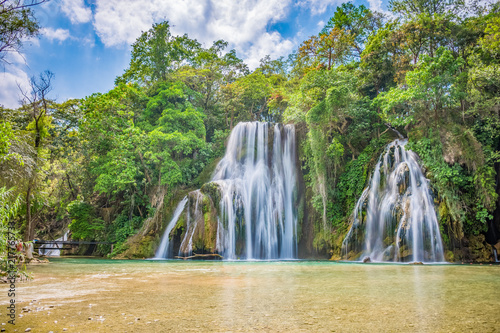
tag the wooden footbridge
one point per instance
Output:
(65, 245)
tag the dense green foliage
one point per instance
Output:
(105, 164)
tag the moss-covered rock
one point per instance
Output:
(206, 174)
(213, 191)
(480, 251)
(137, 247)
(403, 179)
(449, 256)
(200, 231)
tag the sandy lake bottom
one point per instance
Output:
(97, 295)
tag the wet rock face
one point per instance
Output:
(212, 190)
(403, 178)
(480, 251)
(497, 247)
(201, 224)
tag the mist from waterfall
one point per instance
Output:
(394, 219)
(256, 184)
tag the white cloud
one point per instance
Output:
(13, 76)
(376, 6)
(55, 34)
(242, 24)
(318, 6)
(88, 41)
(267, 43)
(76, 11)
(31, 41)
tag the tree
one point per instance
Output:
(157, 53)
(431, 90)
(342, 39)
(6, 138)
(16, 22)
(326, 49)
(491, 40)
(36, 106)
(137, 150)
(247, 99)
(410, 9)
(358, 22)
(210, 70)
(383, 61)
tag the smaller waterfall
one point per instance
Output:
(394, 219)
(165, 248)
(495, 254)
(53, 252)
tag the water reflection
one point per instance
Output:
(428, 294)
(260, 296)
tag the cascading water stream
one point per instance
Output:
(400, 223)
(165, 248)
(193, 215)
(256, 195)
(53, 252)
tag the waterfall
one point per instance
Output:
(394, 219)
(261, 185)
(254, 189)
(165, 248)
(53, 252)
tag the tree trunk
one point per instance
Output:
(144, 166)
(232, 119)
(27, 231)
(30, 225)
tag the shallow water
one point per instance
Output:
(308, 296)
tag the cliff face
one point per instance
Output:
(309, 218)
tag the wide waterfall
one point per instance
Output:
(253, 193)
(394, 219)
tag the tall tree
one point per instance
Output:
(358, 22)
(342, 39)
(36, 106)
(210, 70)
(156, 53)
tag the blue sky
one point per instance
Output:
(86, 43)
